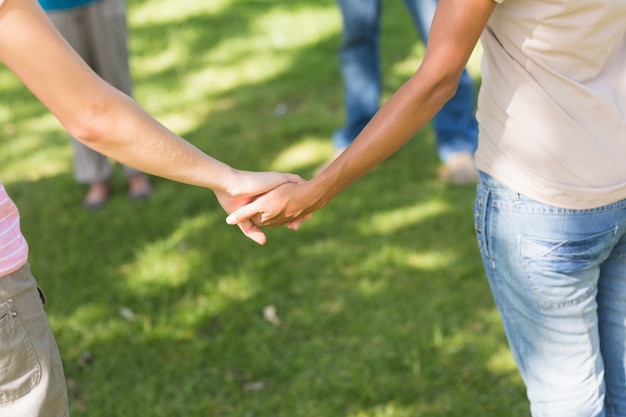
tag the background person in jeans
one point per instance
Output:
(456, 130)
(97, 30)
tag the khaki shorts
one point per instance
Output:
(32, 383)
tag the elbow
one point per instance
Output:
(442, 80)
(89, 124)
(446, 87)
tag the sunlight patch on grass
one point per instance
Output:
(304, 153)
(89, 324)
(188, 112)
(502, 361)
(160, 267)
(263, 54)
(385, 410)
(34, 152)
(190, 309)
(280, 29)
(164, 11)
(181, 122)
(388, 222)
(428, 260)
(37, 165)
(167, 262)
(486, 330)
(8, 80)
(390, 257)
(81, 320)
(42, 123)
(6, 115)
(146, 66)
(370, 287)
(167, 266)
(216, 79)
(236, 287)
(408, 66)
(183, 96)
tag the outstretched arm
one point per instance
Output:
(455, 31)
(110, 122)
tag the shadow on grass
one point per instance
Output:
(157, 306)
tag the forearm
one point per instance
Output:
(113, 124)
(456, 28)
(406, 112)
(123, 131)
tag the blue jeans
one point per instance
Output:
(455, 124)
(558, 277)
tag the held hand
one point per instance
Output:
(277, 207)
(245, 188)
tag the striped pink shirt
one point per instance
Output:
(13, 246)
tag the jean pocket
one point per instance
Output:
(564, 272)
(21, 371)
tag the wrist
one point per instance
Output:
(225, 180)
(315, 193)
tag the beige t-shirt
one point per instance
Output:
(552, 105)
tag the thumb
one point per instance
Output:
(242, 213)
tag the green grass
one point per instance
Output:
(158, 306)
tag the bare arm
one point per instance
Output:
(110, 122)
(455, 31)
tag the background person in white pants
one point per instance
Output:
(97, 30)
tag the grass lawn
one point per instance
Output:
(382, 308)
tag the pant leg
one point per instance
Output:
(455, 124)
(612, 315)
(32, 382)
(360, 66)
(89, 165)
(107, 35)
(544, 267)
